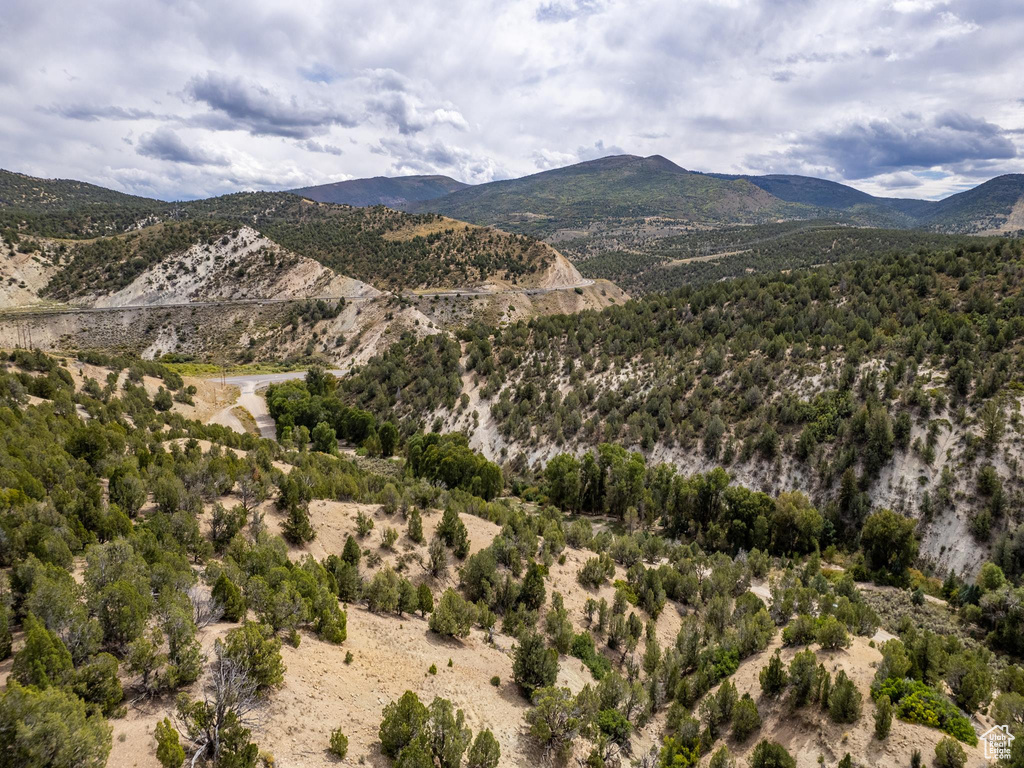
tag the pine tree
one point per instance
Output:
(229, 597)
(297, 528)
(773, 677)
(425, 600)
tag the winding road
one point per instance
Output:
(250, 398)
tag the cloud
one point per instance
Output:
(598, 150)
(399, 106)
(566, 10)
(545, 159)
(860, 150)
(165, 144)
(97, 112)
(900, 180)
(315, 146)
(411, 156)
(243, 105)
(269, 90)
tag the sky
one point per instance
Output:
(180, 99)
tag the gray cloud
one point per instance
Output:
(98, 112)
(411, 156)
(260, 93)
(861, 150)
(243, 105)
(566, 10)
(165, 144)
(315, 146)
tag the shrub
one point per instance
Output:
(44, 660)
(773, 677)
(596, 571)
(364, 524)
(416, 526)
(832, 634)
(402, 721)
(613, 724)
(949, 754)
(721, 759)
(883, 717)
(844, 701)
(256, 649)
(339, 743)
(228, 596)
(803, 676)
(169, 751)
(583, 649)
(803, 630)
(425, 598)
(485, 751)
(96, 682)
(63, 731)
(916, 702)
(432, 669)
(745, 718)
(495, 681)
(533, 664)
(771, 754)
(453, 616)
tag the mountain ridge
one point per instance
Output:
(392, 191)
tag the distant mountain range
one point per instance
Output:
(381, 190)
(625, 191)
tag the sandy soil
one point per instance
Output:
(22, 277)
(390, 655)
(211, 273)
(808, 732)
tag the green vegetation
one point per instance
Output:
(611, 191)
(339, 744)
(645, 265)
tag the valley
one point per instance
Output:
(381, 460)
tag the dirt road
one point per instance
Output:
(251, 398)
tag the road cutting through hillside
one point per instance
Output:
(40, 310)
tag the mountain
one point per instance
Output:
(828, 195)
(58, 207)
(382, 190)
(995, 207)
(610, 191)
(633, 197)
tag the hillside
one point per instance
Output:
(58, 222)
(666, 263)
(243, 265)
(993, 208)
(307, 589)
(845, 381)
(63, 207)
(394, 192)
(608, 192)
(831, 196)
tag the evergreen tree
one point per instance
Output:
(533, 664)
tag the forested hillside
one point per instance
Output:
(389, 249)
(382, 190)
(892, 379)
(644, 264)
(177, 592)
(607, 192)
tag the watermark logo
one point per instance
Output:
(997, 742)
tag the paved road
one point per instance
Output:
(251, 398)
